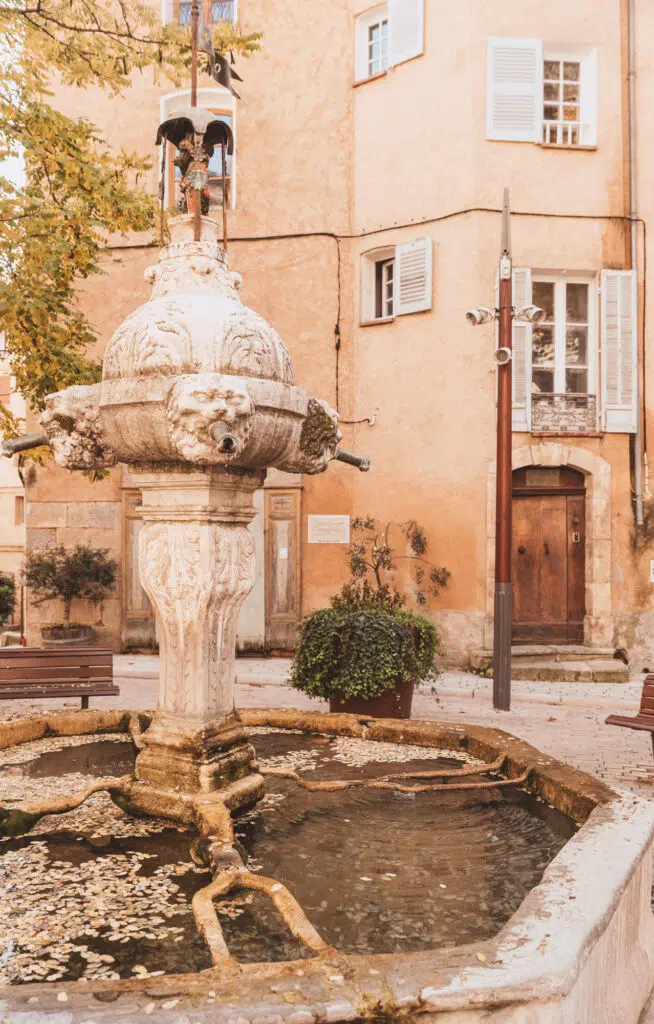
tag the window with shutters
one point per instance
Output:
(564, 356)
(396, 280)
(387, 35)
(540, 92)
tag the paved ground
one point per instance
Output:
(562, 719)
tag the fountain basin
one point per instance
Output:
(579, 948)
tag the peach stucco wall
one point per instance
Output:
(401, 157)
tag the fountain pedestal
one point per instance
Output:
(197, 567)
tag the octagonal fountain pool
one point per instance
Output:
(392, 868)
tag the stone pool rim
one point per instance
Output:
(543, 955)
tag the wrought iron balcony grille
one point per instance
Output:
(563, 414)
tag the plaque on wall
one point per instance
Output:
(329, 529)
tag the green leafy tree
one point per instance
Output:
(54, 226)
(59, 573)
(7, 597)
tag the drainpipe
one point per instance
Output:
(633, 217)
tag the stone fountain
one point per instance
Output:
(197, 397)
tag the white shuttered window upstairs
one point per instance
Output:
(406, 29)
(619, 350)
(413, 276)
(514, 89)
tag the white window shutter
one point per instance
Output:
(412, 284)
(514, 89)
(405, 29)
(521, 362)
(619, 350)
(588, 97)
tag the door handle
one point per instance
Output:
(547, 547)
(521, 549)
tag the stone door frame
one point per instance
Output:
(598, 621)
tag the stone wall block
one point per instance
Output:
(46, 514)
(93, 513)
(35, 540)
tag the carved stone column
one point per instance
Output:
(197, 567)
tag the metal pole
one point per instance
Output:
(503, 608)
(224, 160)
(633, 216)
(195, 17)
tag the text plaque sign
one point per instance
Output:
(329, 529)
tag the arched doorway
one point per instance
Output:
(548, 555)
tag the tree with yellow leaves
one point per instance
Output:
(54, 225)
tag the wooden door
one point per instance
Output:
(548, 568)
(282, 548)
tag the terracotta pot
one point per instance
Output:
(62, 636)
(392, 704)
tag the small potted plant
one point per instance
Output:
(366, 652)
(83, 572)
(7, 597)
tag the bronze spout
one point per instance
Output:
(362, 462)
(22, 444)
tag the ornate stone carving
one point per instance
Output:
(318, 440)
(71, 422)
(197, 575)
(195, 403)
(251, 347)
(197, 566)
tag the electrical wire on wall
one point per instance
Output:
(425, 222)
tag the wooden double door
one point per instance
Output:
(548, 558)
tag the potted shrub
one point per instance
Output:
(7, 597)
(366, 652)
(82, 572)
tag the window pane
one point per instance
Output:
(222, 10)
(576, 303)
(543, 382)
(551, 112)
(576, 345)
(543, 296)
(576, 382)
(571, 70)
(570, 93)
(552, 69)
(552, 90)
(570, 113)
(542, 347)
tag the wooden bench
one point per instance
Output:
(644, 720)
(37, 672)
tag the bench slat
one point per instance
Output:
(46, 672)
(630, 723)
(64, 681)
(109, 690)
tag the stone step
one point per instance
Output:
(597, 670)
(561, 652)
